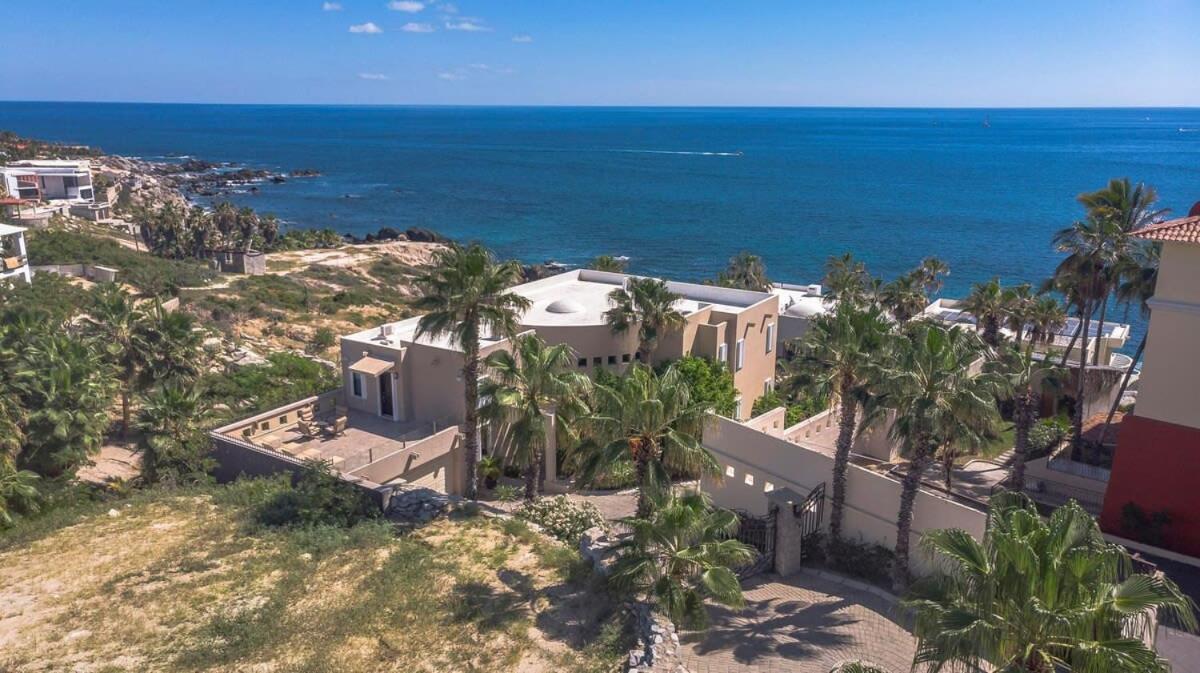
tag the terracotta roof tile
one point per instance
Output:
(1182, 230)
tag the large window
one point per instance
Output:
(356, 385)
(723, 352)
(740, 355)
(770, 337)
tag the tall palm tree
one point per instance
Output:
(1128, 208)
(648, 305)
(464, 295)
(929, 274)
(117, 323)
(986, 303)
(653, 420)
(1046, 317)
(681, 555)
(1017, 304)
(172, 445)
(1140, 276)
(1019, 373)
(841, 350)
(522, 387)
(1040, 596)
(929, 384)
(1093, 248)
(846, 279)
(172, 346)
(746, 271)
(904, 297)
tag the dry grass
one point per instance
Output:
(183, 582)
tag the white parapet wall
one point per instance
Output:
(753, 462)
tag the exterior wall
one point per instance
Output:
(432, 462)
(1064, 479)
(751, 324)
(369, 402)
(754, 462)
(1155, 466)
(592, 341)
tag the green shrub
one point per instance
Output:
(285, 377)
(617, 476)
(1045, 435)
(319, 498)
(710, 381)
(323, 338)
(561, 517)
(857, 558)
(150, 274)
(508, 492)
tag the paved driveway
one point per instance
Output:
(801, 624)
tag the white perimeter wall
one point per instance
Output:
(754, 462)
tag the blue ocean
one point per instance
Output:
(678, 190)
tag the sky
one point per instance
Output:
(885, 53)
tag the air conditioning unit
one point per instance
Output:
(814, 290)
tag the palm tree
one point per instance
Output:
(66, 387)
(841, 350)
(1046, 316)
(904, 297)
(1093, 250)
(172, 444)
(117, 323)
(648, 304)
(986, 303)
(1040, 596)
(928, 383)
(1019, 373)
(746, 271)
(1017, 304)
(929, 274)
(1140, 276)
(522, 388)
(651, 419)
(846, 279)
(172, 345)
(681, 555)
(464, 296)
(608, 263)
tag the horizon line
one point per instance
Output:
(615, 105)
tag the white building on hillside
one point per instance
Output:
(49, 180)
(14, 263)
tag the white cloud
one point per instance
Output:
(368, 28)
(417, 28)
(448, 7)
(468, 26)
(331, 7)
(409, 6)
(376, 76)
(522, 38)
(499, 70)
(452, 76)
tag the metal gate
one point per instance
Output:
(759, 533)
(808, 516)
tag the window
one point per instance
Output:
(768, 386)
(612, 359)
(737, 409)
(582, 363)
(70, 181)
(770, 337)
(722, 352)
(625, 357)
(740, 355)
(637, 356)
(597, 361)
(356, 384)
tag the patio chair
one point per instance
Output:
(307, 429)
(337, 428)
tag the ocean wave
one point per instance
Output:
(1187, 130)
(682, 152)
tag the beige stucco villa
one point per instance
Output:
(396, 417)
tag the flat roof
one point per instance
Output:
(580, 298)
(800, 301)
(575, 298)
(7, 229)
